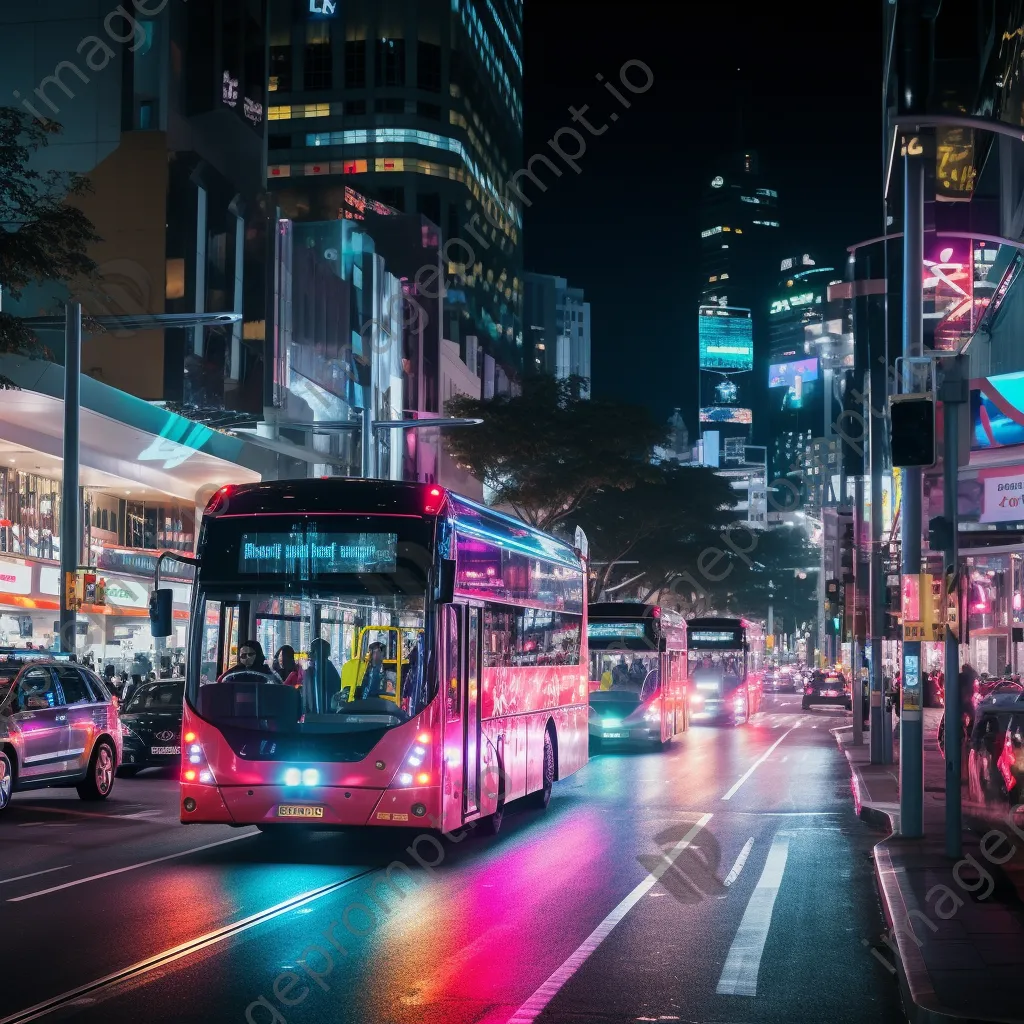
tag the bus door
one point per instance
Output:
(471, 702)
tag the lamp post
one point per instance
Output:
(70, 520)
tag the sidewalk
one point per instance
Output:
(956, 927)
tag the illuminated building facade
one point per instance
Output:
(416, 105)
(739, 227)
(810, 347)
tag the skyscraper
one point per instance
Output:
(557, 327)
(739, 223)
(416, 105)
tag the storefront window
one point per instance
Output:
(29, 515)
(988, 599)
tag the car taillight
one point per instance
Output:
(1006, 761)
(433, 500)
(808, 689)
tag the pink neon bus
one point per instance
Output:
(440, 648)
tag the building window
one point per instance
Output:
(428, 204)
(390, 62)
(275, 141)
(280, 62)
(389, 163)
(279, 113)
(318, 56)
(428, 67)
(355, 64)
(431, 111)
(389, 105)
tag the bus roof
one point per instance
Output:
(717, 623)
(344, 496)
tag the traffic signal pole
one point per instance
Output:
(70, 537)
(954, 395)
(911, 725)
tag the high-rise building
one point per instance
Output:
(739, 221)
(557, 327)
(810, 347)
(164, 113)
(416, 105)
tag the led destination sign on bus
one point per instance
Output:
(714, 638)
(615, 630)
(320, 553)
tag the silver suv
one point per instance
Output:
(58, 727)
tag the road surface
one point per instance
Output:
(724, 879)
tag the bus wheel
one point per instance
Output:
(491, 825)
(542, 797)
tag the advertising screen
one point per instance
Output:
(784, 375)
(725, 414)
(726, 338)
(997, 412)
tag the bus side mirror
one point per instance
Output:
(161, 619)
(445, 593)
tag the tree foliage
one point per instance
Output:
(643, 538)
(42, 238)
(547, 451)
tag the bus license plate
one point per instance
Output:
(830, 693)
(165, 750)
(615, 736)
(300, 811)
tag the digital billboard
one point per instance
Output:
(725, 414)
(726, 338)
(997, 412)
(784, 375)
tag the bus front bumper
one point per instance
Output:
(314, 806)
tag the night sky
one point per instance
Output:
(625, 229)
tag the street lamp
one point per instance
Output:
(70, 526)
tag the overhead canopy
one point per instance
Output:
(124, 440)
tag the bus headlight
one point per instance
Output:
(311, 777)
(292, 777)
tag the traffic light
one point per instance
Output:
(912, 430)
(846, 547)
(940, 533)
(161, 612)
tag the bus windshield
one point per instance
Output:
(726, 665)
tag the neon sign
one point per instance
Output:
(325, 8)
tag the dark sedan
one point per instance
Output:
(827, 688)
(151, 725)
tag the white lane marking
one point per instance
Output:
(33, 874)
(785, 758)
(739, 975)
(534, 1006)
(130, 867)
(142, 814)
(740, 861)
(169, 956)
(757, 764)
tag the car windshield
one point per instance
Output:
(309, 660)
(156, 697)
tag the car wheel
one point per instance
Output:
(805, 706)
(99, 779)
(542, 797)
(6, 781)
(128, 771)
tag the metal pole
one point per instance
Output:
(70, 541)
(856, 685)
(911, 732)
(880, 737)
(368, 447)
(771, 608)
(954, 388)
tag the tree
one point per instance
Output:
(41, 237)
(781, 558)
(646, 537)
(546, 451)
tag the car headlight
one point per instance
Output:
(652, 715)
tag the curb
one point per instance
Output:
(919, 1000)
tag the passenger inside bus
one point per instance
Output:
(606, 675)
(322, 676)
(251, 661)
(365, 679)
(620, 674)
